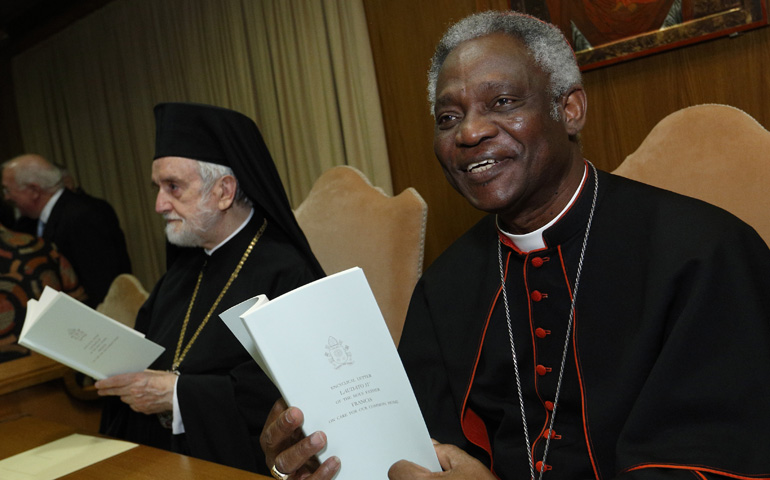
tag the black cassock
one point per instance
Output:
(668, 363)
(224, 396)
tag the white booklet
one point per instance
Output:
(72, 333)
(326, 347)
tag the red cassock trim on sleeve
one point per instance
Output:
(475, 430)
(698, 470)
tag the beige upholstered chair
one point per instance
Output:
(716, 153)
(123, 299)
(350, 223)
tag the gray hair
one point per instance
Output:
(211, 172)
(31, 169)
(550, 50)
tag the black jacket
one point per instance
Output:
(87, 232)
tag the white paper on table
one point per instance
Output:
(61, 457)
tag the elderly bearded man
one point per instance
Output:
(607, 327)
(226, 210)
(83, 228)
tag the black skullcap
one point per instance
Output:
(195, 131)
(226, 137)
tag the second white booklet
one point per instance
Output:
(329, 352)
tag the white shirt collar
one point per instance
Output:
(46, 212)
(534, 240)
(235, 232)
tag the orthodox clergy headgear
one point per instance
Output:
(226, 137)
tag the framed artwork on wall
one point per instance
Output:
(603, 32)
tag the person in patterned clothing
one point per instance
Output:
(28, 265)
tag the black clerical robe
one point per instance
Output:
(669, 356)
(224, 397)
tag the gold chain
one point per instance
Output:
(179, 357)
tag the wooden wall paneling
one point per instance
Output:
(403, 34)
(626, 100)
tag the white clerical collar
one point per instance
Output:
(46, 212)
(534, 240)
(235, 232)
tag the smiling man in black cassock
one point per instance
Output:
(234, 237)
(655, 368)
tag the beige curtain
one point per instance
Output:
(302, 69)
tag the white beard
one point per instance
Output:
(189, 232)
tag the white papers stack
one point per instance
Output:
(61, 457)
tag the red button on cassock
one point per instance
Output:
(552, 434)
(542, 370)
(537, 262)
(541, 332)
(536, 296)
(539, 466)
(549, 406)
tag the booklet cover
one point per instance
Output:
(72, 333)
(328, 350)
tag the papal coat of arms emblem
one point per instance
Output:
(76, 334)
(338, 353)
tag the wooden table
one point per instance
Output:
(35, 385)
(28, 371)
(141, 463)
